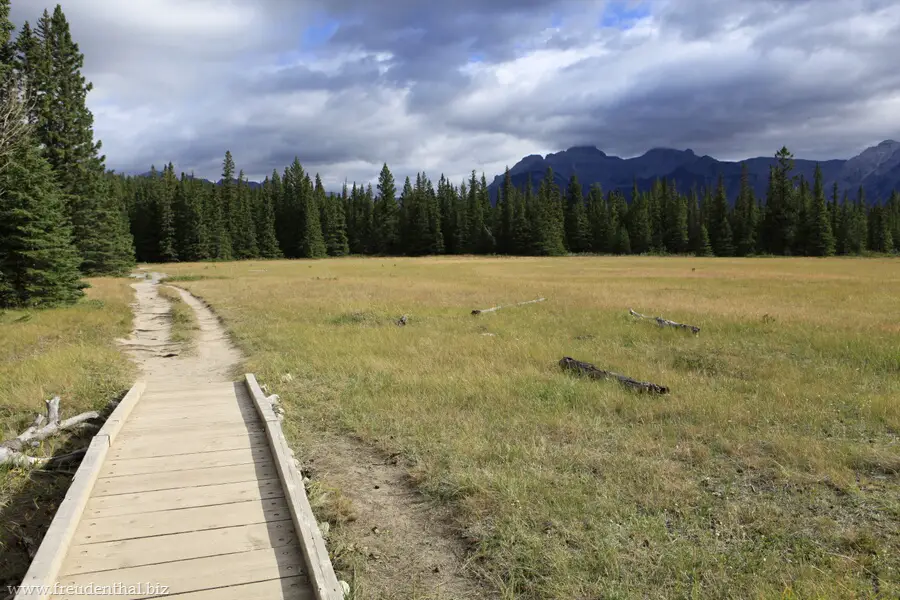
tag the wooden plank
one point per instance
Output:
(189, 397)
(45, 567)
(180, 546)
(192, 575)
(158, 389)
(123, 410)
(129, 504)
(286, 588)
(149, 411)
(129, 484)
(168, 426)
(138, 466)
(176, 445)
(132, 430)
(97, 529)
(321, 572)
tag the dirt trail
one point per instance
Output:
(405, 546)
(161, 361)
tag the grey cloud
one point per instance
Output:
(188, 92)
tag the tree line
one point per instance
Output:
(59, 219)
(291, 215)
(63, 216)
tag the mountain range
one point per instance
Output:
(876, 169)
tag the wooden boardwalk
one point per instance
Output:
(190, 501)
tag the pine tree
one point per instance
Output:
(520, 232)
(265, 221)
(598, 216)
(578, 235)
(245, 243)
(779, 227)
(506, 208)
(165, 226)
(720, 237)
(385, 214)
(334, 227)
(51, 64)
(857, 225)
(638, 222)
(745, 216)
(191, 232)
(820, 240)
(38, 259)
(311, 243)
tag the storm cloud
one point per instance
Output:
(446, 87)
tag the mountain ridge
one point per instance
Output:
(876, 169)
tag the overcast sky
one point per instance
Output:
(448, 86)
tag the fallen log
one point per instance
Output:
(665, 322)
(11, 450)
(487, 310)
(589, 370)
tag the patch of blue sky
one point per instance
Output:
(623, 14)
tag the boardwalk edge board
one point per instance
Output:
(321, 572)
(42, 574)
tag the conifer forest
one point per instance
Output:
(64, 216)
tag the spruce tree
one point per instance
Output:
(334, 228)
(51, 63)
(520, 232)
(166, 216)
(598, 216)
(506, 208)
(311, 241)
(745, 216)
(820, 240)
(720, 236)
(578, 235)
(779, 227)
(385, 214)
(265, 222)
(38, 259)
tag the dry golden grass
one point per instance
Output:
(68, 352)
(182, 318)
(771, 470)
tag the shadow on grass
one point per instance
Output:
(29, 499)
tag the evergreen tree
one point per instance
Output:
(385, 214)
(38, 259)
(745, 216)
(266, 237)
(191, 231)
(506, 208)
(779, 227)
(166, 250)
(720, 237)
(311, 243)
(520, 232)
(578, 234)
(51, 63)
(598, 216)
(820, 240)
(334, 226)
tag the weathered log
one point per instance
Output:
(11, 450)
(17, 459)
(53, 410)
(666, 322)
(487, 310)
(589, 370)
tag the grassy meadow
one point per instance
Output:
(68, 352)
(771, 470)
